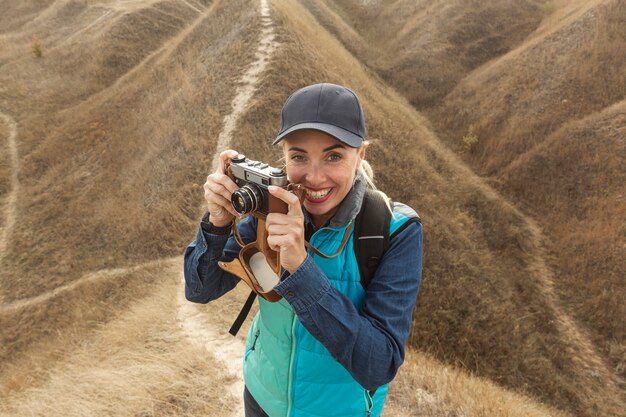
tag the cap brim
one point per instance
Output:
(342, 135)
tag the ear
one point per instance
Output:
(362, 150)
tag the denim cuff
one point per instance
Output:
(305, 286)
(212, 244)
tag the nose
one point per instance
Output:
(315, 176)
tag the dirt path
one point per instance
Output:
(194, 321)
(9, 209)
(89, 277)
(249, 81)
(590, 360)
(191, 6)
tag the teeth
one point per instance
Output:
(318, 194)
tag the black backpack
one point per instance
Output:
(371, 241)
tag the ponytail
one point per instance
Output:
(367, 173)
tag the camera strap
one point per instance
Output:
(245, 310)
(346, 236)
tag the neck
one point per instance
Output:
(321, 219)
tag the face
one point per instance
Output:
(324, 166)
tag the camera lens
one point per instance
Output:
(247, 199)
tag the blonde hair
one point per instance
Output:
(366, 171)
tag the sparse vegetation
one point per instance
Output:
(36, 47)
(548, 7)
(114, 149)
(470, 140)
(136, 364)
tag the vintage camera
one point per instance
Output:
(253, 178)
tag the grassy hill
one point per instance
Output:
(578, 193)
(424, 48)
(561, 65)
(487, 302)
(110, 178)
(533, 104)
(118, 123)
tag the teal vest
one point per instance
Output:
(287, 371)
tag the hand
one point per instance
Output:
(218, 190)
(285, 232)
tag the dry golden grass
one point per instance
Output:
(487, 302)
(102, 183)
(425, 387)
(515, 102)
(424, 48)
(39, 328)
(138, 364)
(98, 174)
(14, 16)
(584, 215)
(117, 129)
(541, 93)
(5, 165)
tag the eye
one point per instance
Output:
(297, 158)
(334, 157)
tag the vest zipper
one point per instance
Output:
(256, 337)
(291, 361)
(369, 403)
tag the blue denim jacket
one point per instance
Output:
(374, 348)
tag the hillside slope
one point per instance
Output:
(555, 64)
(112, 158)
(488, 302)
(571, 70)
(579, 184)
(97, 168)
(522, 108)
(424, 48)
(106, 178)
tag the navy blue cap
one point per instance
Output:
(329, 108)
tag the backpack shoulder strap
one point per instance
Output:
(371, 234)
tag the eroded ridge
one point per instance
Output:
(9, 208)
(193, 320)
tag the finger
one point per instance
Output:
(224, 180)
(275, 218)
(217, 199)
(294, 222)
(278, 229)
(224, 204)
(219, 188)
(281, 242)
(293, 202)
(224, 158)
(272, 242)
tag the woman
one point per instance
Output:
(329, 347)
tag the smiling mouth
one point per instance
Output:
(318, 195)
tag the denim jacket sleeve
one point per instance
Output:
(369, 343)
(204, 279)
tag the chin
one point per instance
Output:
(318, 209)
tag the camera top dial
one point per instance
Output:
(257, 172)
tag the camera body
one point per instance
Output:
(253, 178)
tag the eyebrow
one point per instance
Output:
(330, 148)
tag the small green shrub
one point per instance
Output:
(37, 47)
(548, 8)
(470, 140)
